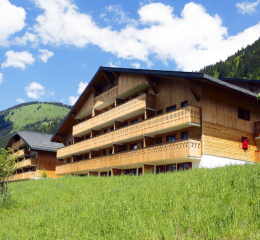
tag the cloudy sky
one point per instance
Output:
(50, 49)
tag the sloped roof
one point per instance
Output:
(38, 141)
(174, 74)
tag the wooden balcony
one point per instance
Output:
(23, 176)
(21, 153)
(18, 144)
(124, 111)
(105, 96)
(158, 154)
(27, 163)
(182, 118)
(257, 130)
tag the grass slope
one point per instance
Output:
(40, 117)
(220, 203)
(30, 114)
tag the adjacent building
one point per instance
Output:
(130, 121)
(36, 155)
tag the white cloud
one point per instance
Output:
(18, 59)
(120, 15)
(1, 78)
(192, 41)
(19, 100)
(11, 20)
(82, 86)
(45, 55)
(28, 37)
(35, 90)
(72, 100)
(52, 93)
(247, 7)
(135, 65)
(110, 64)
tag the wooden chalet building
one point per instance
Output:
(35, 153)
(130, 121)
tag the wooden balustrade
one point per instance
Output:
(23, 176)
(105, 96)
(257, 129)
(27, 163)
(159, 124)
(139, 103)
(162, 152)
(17, 144)
(21, 153)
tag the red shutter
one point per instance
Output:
(239, 112)
(244, 143)
(248, 115)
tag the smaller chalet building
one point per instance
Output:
(129, 121)
(36, 153)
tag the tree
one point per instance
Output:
(7, 170)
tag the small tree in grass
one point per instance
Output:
(7, 170)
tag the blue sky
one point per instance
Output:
(50, 49)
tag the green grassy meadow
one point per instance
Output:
(29, 114)
(221, 203)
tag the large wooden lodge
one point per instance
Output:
(131, 121)
(36, 154)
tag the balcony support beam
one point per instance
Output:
(151, 84)
(193, 90)
(94, 90)
(107, 79)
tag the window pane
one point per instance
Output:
(184, 104)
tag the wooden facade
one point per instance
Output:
(130, 120)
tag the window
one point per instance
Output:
(69, 143)
(244, 143)
(87, 137)
(126, 123)
(243, 114)
(159, 140)
(184, 104)
(159, 112)
(105, 130)
(171, 168)
(86, 156)
(125, 148)
(104, 152)
(171, 108)
(134, 121)
(171, 138)
(184, 135)
(112, 129)
(142, 117)
(110, 151)
(133, 146)
(146, 91)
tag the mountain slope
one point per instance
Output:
(244, 64)
(40, 117)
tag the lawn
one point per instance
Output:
(221, 203)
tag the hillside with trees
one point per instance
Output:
(42, 117)
(244, 64)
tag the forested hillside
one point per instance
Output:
(244, 64)
(33, 116)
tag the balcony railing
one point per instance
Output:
(120, 112)
(21, 153)
(181, 118)
(17, 144)
(23, 176)
(27, 163)
(257, 129)
(105, 96)
(162, 152)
